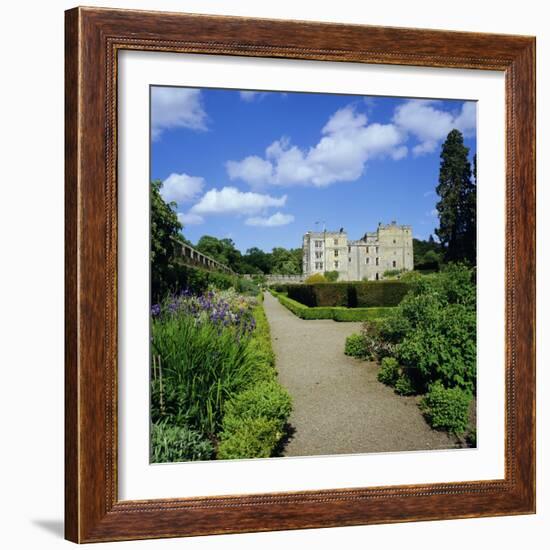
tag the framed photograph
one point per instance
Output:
(300, 275)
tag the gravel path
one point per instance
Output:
(338, 405)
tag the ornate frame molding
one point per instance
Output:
(93, 38)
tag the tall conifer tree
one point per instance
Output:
(457, 204)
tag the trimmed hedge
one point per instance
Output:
(351, 295)
(336, 313)
(379, 293)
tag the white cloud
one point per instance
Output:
(347, 143)
(344, 119)
(190, 219)
(400, 153)
(430, 125)
(176, 108)
(273, 221)
(250, 96)
(254, 170)
(181, 188)
(230, 200)
(466, 121)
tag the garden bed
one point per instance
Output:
(214, 385)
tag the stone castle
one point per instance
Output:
(388, 248)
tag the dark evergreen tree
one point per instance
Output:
(457, 205)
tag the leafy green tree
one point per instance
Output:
(222, 250)
(426, 253)
(285, 262)
(165, 231)
(261, 260)
(457, 204)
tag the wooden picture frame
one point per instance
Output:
(93, 511)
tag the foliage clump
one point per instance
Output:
(254, 422)
(331, 276)
(315, 278)
(447, 408)
(389, 371)
(355, 346)
(427, 345)
(178, 444)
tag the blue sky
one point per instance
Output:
(262, 167)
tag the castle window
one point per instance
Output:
(367, 249)
(318, 255)
(394, 263)
(336, 253)
(349, 259)
(377, 277)
(318, 244)
(335, 242)
(367, 261)
(349, 249)
(377, 252)
(393, 241)
(336, 265)
(377, 261)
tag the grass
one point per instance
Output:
(337, 313)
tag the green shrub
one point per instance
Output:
(442, 346)
(332, 276)
(254, 421)
(315, 278)
(178, 444)
(392, 273)
(388, 372)
(254, 438)
(355, 346)
(447, 408)
(268, 399)
(434, 329)
(376, 347)
(404, 385)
